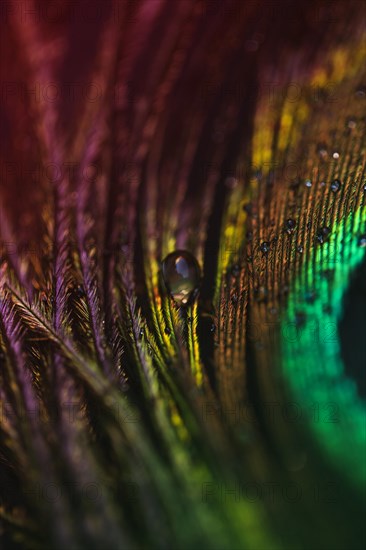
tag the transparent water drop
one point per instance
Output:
(323, 234)
(181, 274)
(308, 183)
(290, 225)
(300, 249)
(265, 246)
(336, 155)
(362, 241)
(335, 185)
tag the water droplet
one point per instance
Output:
(335, 185)
(141, 334)
(290, 225)
(181, 274)
(308, 183)
(351, 123)
(364, 188)
(362, 241)
(167, 331)
(300, 249)
(213, 327)
(323, 234)
(265, 246)
(336, 155)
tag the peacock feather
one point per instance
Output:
(182, 262)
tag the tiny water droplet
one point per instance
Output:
(265, 246)
(300, 249)
(362, 241)
(336, 155)
(167, 331)
(335, 185)
(308, 183)
(212, 328)
(290, 225)
(364, 188)
(323, 234)
(351, 123)
(141, 334)
(181, 274)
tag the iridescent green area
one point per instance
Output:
(314, 370)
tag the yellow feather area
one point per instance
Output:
(177, 422)
(193, 346)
